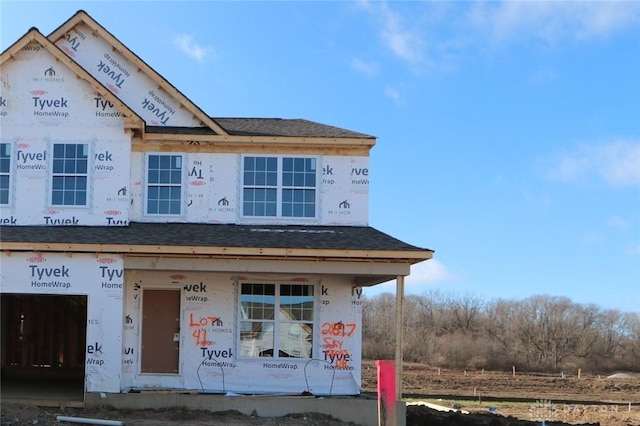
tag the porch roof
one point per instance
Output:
(225, 240)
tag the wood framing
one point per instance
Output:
(230, 252)
(252, 144)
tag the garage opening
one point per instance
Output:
(43, 347)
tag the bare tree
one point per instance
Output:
(541, 333)
(466, 314)
(378, 318)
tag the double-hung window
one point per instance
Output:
(70, 174)
(164, 184)
(5, 172)
(279, 187)
(276, 320)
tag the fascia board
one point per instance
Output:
(406, 256)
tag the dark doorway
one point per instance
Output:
(43, 346)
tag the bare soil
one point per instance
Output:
(590, 399)
(28, 415)
(492, 398)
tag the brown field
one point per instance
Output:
(590, 399)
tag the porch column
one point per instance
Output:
(399, 333)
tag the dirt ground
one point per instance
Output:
(23, 415)
(492, 398)
(590, 399)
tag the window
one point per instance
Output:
(276, 320)
(70, 174)
(164, 184)
(279, 187)
(5, 172)
(260, 186)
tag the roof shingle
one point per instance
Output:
(213, 235)
(266, 127)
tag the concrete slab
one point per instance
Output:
(361, 410)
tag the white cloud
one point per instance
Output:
(392, 93)
(603, 18)
(424, 276)
(369, 68)
(544, 75)
(616, 163)
(437, 34)
(633, 250)
(552, 21)
(403, 42)
(189, 47)
(428, 272)
(619, 222)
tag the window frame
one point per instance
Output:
(181, 186)
(53, 175)
(278, 323)
(281, 186)
(8, 173)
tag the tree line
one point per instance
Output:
(540, 333)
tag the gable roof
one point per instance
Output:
(135, 121)
(227, 132)
(226, 240)
(82, 17)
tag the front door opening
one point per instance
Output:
(160, 331)
(43, 346)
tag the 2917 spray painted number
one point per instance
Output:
(338, 328)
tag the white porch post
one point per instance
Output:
(399, 333)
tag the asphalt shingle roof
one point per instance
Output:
(213, 235)
(266, 127)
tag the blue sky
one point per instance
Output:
(508, 132)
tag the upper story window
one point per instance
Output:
(5, 172)
(164, 184)
(70, 174)
(279, 187)
(276, 320)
